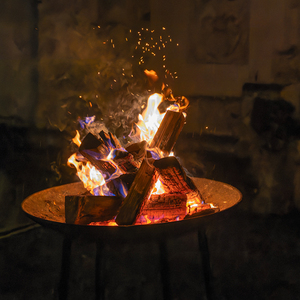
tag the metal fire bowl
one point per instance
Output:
(47, 208)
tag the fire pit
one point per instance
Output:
(131, 192)
(47, 208)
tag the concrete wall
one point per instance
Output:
(18, 65)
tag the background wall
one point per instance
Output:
(238, 64)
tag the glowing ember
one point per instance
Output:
(112, 224)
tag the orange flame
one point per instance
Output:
(87, 173)
(148, 221)
(112, 223)
(193, 202)
(76, 139)
(151, 118)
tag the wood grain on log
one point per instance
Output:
(173, 176)
(167, 206)
(125, 161)
(138, 150)
(168, 131)
(137, 194)
(106, 167)
(86, 209)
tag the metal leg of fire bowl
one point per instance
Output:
(203, 247)
(99, 278)
(164, 270)
(65, 269)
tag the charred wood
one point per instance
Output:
(125, 161)
(106, 167)
(107, 140)
(202, 212)
(94, 146)
(90, 142)
(114, 141)
(138, 150)
(85, 209)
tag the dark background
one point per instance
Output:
(238, 64)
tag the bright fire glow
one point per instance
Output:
(158, 188)
(147, 127)
(87, 173)
(148, 221)
(113, 223)
(193, 202)
(76, 139)
(151, 118)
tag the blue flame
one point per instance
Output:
(87, 121)
(154, 155)
(103, 189)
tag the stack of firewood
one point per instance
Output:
(131, 174)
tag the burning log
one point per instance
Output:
(166, 206)
(137, 194)
(174, 178)
(114, 141)
(106, 137)
(94, 146)
(203, 210)
(168, 131)
(182, 102)
(138, 150)
(104, 166)
(85, 209)
(125, 161)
